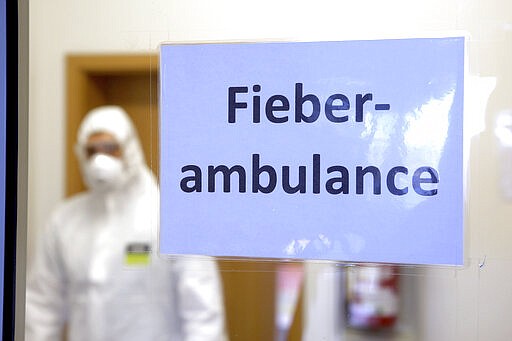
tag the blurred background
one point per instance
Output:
(87, 53)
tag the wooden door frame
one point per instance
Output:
(81, 97)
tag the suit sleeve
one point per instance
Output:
(46, 293)
(201, 305)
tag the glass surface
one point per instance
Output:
(265, 301)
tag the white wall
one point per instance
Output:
(469, 304)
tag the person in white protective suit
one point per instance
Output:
(97, 273)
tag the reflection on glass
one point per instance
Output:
(425, 134)
(503, 133)
(428, 126)
(384, 127)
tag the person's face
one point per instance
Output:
(102, 143)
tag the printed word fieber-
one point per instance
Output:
(336, 178)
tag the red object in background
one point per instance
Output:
(373, 297)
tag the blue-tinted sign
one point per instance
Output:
(347, 151)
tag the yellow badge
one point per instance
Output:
(137, 254)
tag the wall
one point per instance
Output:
(469, 304)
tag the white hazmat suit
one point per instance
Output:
(97, 270)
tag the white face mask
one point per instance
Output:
(103, 172)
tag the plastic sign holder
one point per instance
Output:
(346, 150)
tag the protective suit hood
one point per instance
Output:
(115, 121)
